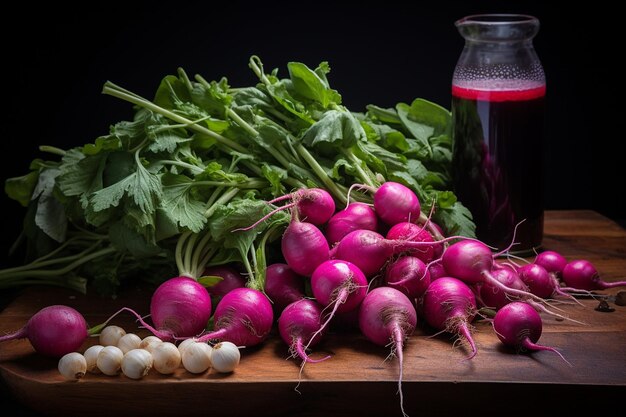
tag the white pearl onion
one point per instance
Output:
(184, 344)
(166, 358)
(129, 342)
(136, 363)
(110, 335)
(225, 357)
(91, 356)
(73, 366)
(197, 357)
(150, 343)
(110, 360)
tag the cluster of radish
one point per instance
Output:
(126, 353)
(382, 282)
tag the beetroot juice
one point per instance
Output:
(497, 159)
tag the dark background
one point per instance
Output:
(55, 61)
(54, 69)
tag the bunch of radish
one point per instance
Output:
(381, 264)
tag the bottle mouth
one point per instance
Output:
(497, 19)
(498, 27)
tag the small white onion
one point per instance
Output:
(110, 335)
(183, 345)
(73, 366)
(225, 357)
(91, 356)
(136, 363)
(110, 360)
(197, 357)
(129, 342)
(166, 358)
(149, 343)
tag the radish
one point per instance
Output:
(357, 216)
(582, 275)
(414, 233)
(409, 275)
(55, 331)
(231, 279)
(387, 317)
(304, 247)
(472, 262)
(544, 284)
(495, 298)
(538, 280)
(449, 305)
(370, 250)
(297, 324)
(438, 248)
(436, 271)
(180, 307)
(243, 317)
(395, 203)
(339, 284)
(283, 286)
(552, 261)
(534, 274)
(314, 205)
(519, 325)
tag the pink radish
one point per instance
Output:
(414, 233)
(518, 325)
(538, 280)
(436, 271)
(472, 262)
(314, 205)
(283, 286)
(388, 317)
(231, 279)
(243, 317)
(55, 331)
(304, 247)
(493, 297)
(582, 275)
(409, 275)
(449, 305)
(340, 285)
(533, 274)
(370, 251)
(357, 216)
(179, 308)
(395, 203)
(297, 324)
(552, 261)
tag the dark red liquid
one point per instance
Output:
(497, 162)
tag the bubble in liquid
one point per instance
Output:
(499, 77)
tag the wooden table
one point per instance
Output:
(357, 379)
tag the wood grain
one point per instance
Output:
(357, 379)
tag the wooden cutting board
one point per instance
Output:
(357, 380)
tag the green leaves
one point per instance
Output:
(21, 188)
(171, 186)
(336, 128)
(313, 84)
(180, 204)
(50, 213)
(141, 185)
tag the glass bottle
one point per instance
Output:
(498, 95)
